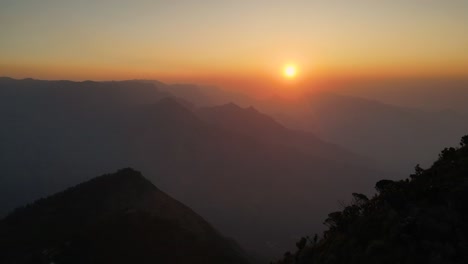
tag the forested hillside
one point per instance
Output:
(421, 219)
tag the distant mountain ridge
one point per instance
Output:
(250, 122)
(114, 218)
(200, 95)
(57, 136)
(396, 137)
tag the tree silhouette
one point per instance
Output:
(416, 220)
(464, 141)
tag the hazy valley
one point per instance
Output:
(243, 170)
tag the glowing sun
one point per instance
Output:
(290, 71)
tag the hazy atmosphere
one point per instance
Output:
(233, 131)
(226, 42)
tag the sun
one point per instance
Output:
(290, 71)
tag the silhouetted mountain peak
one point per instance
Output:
(173, 104)
(168, 111)
(114, 218)
(126, 181)
(122, 190)
(234, 117)
(235, 107)
(6, 79)
(235, 110)
(168, 102)
(231, 105)
(154, 82)
(252, 109)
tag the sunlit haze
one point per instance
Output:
(290, 71)
(234, 131)
(232, 43)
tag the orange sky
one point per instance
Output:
(233, 43)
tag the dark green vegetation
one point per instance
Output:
(115, 218)
(417, 220)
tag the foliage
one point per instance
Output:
(417, 220)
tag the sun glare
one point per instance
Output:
(290, 71)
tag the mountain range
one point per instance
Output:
(209, 150)
(399, 123)
(228, 163)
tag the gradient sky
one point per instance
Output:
(231, 39)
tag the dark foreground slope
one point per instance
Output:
(417, 220)
(115, 218)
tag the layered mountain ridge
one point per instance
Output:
(214, 161)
